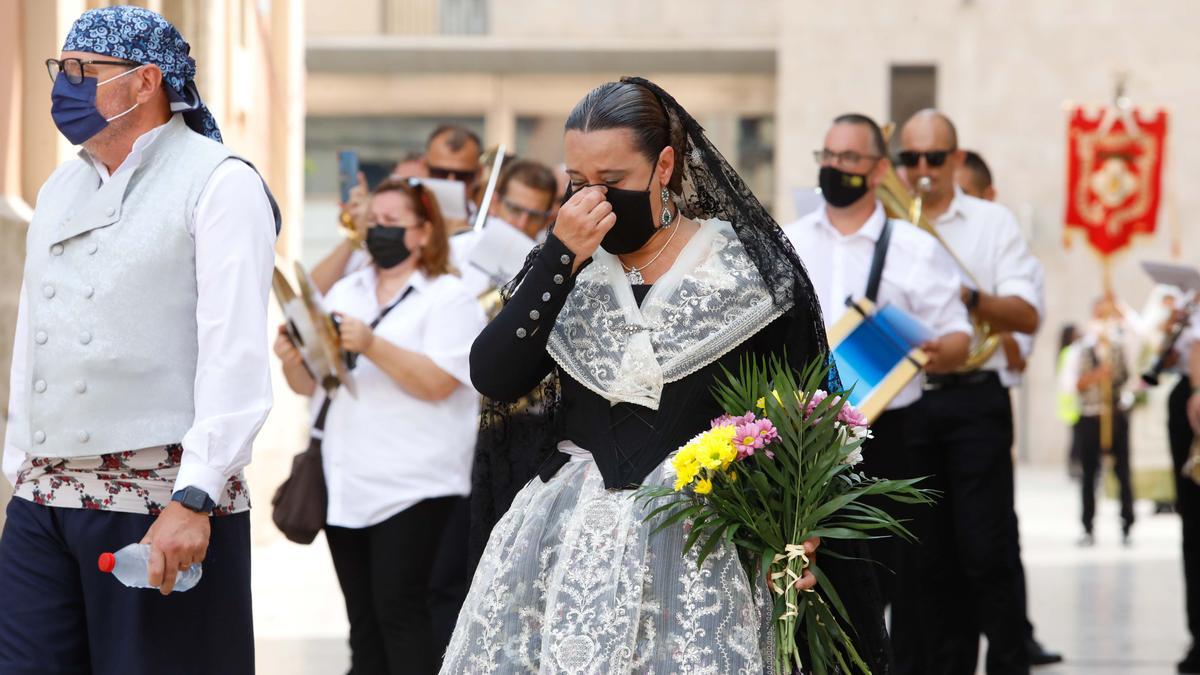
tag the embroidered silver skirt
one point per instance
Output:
(573, 581)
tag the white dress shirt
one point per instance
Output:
(918, 275)
(386, 450)
(987, 239)
(235, 251)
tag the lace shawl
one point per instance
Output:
(711, 300)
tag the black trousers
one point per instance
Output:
(1087, 435)
(452, 571)
(968, 559)
(384, 571)
(888, 455)
(1187, 500)
(60, 614)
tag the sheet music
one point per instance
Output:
(451, 197)
(501, 251)
(1183, 277)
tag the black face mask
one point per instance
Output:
(841, 189)
(386, 246)
(635, 221)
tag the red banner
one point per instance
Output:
(1114, 174)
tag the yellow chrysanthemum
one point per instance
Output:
(686, 466)
(714, 448)
(703, 486)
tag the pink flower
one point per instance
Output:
(817, 397)
(754, 435)
(852, 416)
(730, 420)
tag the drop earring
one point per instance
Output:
(667, 217)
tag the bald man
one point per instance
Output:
(969, 552)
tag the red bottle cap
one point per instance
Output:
(107, 562)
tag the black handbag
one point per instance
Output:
(300, 503)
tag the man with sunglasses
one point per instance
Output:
(968, 558)
(452, 153)
(852, 250)
(140, 376)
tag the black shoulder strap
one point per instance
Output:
(319, 425)
(881, 249)
(407, 292)
(352, 357)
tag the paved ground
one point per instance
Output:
(1110, 609)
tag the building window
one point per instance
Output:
(913, 88)
(756, 156)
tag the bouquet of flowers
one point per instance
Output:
(776, 470)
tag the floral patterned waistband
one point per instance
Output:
(137, 481)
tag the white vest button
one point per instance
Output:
(89, 291)
(56, 249)
(39, 386)
(48, 291)
(85, 338)
(39, 437)
(84, 437)
(80, 386)
(92, 248)
(109, 211)
(40, 337)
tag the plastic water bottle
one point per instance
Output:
(131, 567)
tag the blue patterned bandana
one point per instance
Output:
(140, 35)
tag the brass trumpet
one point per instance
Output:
(899, 203)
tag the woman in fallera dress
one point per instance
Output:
(661, 270)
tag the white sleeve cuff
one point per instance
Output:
(194, 474)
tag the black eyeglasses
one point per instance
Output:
(74, 67)
(911, 158)
(442, 173)
(847, 158)
(534, 215)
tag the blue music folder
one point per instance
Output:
(877, 351)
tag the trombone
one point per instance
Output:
(899, 203)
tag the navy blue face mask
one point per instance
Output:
(73, 107)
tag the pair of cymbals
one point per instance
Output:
(313, 332)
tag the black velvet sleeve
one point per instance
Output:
(509, 357)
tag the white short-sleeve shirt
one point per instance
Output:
(386, 450)
(918, 276)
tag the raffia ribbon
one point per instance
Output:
(790, 552)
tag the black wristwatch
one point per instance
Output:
(972, 298)
(194, 499)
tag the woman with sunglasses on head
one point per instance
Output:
(398, 454)
(661, 271)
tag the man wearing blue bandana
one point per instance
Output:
(140, 371)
